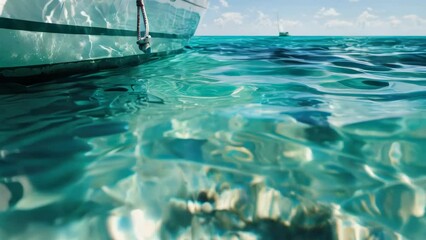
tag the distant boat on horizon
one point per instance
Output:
(281, 32)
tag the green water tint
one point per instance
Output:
(237, 138)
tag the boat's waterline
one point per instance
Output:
(61, 33)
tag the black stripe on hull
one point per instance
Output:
(197, 5)
(46, 72)
(32, 26)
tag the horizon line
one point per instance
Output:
(310, 36)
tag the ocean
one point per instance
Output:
(236, 138)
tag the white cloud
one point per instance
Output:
(327, 20)
(265, 23)
(324, 12)
(366, 19)
(264, 20)
(366, 16)
(290, 24)
(394, 21)
(336, 23)
(224, 3)
(229, 17)
(416, 19)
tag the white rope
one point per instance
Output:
(143, 42)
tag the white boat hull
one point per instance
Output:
(51, 37)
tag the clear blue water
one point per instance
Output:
(237, 138)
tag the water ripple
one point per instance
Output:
(239, 137)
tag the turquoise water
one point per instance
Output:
(237, 138)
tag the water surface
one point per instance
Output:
(237, 138)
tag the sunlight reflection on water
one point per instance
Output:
(308, 137)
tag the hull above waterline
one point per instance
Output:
(53, 37)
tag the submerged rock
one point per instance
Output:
(273, 216)
(261, 213)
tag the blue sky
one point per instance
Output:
(315, 17)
